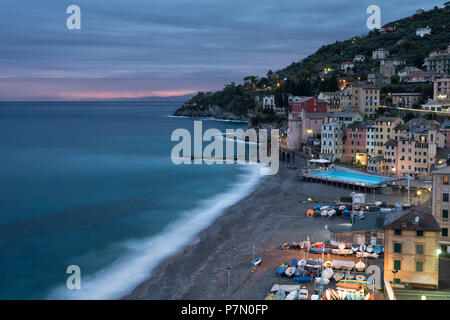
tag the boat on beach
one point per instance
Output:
(338, 276)
(360, 266)
(256, 262)
(290, 271)
(304, 279)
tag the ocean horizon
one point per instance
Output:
(92, 184)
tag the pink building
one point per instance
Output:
(304, 127)
(354, 142)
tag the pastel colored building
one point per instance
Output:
(309, 105)
(441, 90)
(441, 204)
(354, 143)
(406, 99)
(364, 97)
(331, 141)
(384, 130)
(410, 244)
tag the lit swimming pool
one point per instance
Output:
(350, 177)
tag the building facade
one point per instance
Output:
(331, 141)
(410, 244)
(309, 105)
(406, 99)
(441, 204)
(384, 130)
(354, 143)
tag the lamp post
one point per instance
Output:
(394, 272)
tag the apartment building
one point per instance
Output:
(370, 138)
(406, 99)
(384, 130)
(331, 141)
(354, 143)
(410, 244)
(363, 97)
(441, 90)
(441, 204)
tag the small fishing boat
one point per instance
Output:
(281, 271)
(348, 285)
(317, 212)
(343, 264)
(290, 271)
(302, 263)
(309, 213)
(377, 249)
(280, 295)
(331, 212)
(320, 279)
(334, 294)
(256, 262)
(293, 262)
(317, 207)
(360, 277)
(285, 246)
(341, 208)
(299, 272)
(369, 249)
(314, 297)
(350, 276)
(313, 265)
(338, 276)
(303, 294)
(360, 266)
(319, 250)
(373, 255)
(270, 296)
(303, 279)
(324, 213)
(328, 295)
(293, 295)
(346, 212)
(328, 273)
(328, 264)
(355, 248)
(325, 208)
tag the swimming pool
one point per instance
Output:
(350, 177)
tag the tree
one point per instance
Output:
(395, 78)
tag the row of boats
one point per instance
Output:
(305, 270)
(328, 211)
(361, 251)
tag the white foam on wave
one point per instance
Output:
(207, 118)
(143, 256)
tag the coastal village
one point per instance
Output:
(367, 138)
(354, 140)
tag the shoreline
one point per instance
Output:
(272, 214)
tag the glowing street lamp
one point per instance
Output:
(438, 251)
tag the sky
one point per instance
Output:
(136, 48)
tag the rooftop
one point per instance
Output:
(414, 219)
(443, 170)
(372, 221)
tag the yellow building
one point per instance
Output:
(441, 204)
(384, 131)
(410, 247)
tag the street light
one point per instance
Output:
(438, 251)
(394, 272)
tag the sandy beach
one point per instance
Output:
(272, 214)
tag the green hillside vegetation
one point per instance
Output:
(305, 77)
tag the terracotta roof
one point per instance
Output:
(391, 142)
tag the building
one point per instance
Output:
(410, 243)
(434, 106)
(359, 58)
(331, 141)
(407, 70)
(344, 118)
(376, 79)
(422, 32)
(332, 99)
(361, 96)
(376, 165)
(370, 138)
(439, 61)
(387, 70)
(347, 66)
(354, 143)
(380, 53)
(391, 156)
(406, 99)
(384, 130)
(441, 204)
(309, 105)
(293, 99)
(422, 76)
(441, 90)
(445, 130)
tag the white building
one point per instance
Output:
(380, 53)
(421, 32)
(331, 141)
(370, 138)
(347, 66)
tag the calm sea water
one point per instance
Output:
(92, 184)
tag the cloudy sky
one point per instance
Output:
(132, 48)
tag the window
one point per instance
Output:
(445, 214)
(398, 232)
(419, 266)
(420, 233)
(445, 197)
(397, 264)
(445, 179)
(444, 232)
(419, 249)
(397, 247)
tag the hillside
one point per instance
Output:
(304, 77)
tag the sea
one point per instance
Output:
(92, 185)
